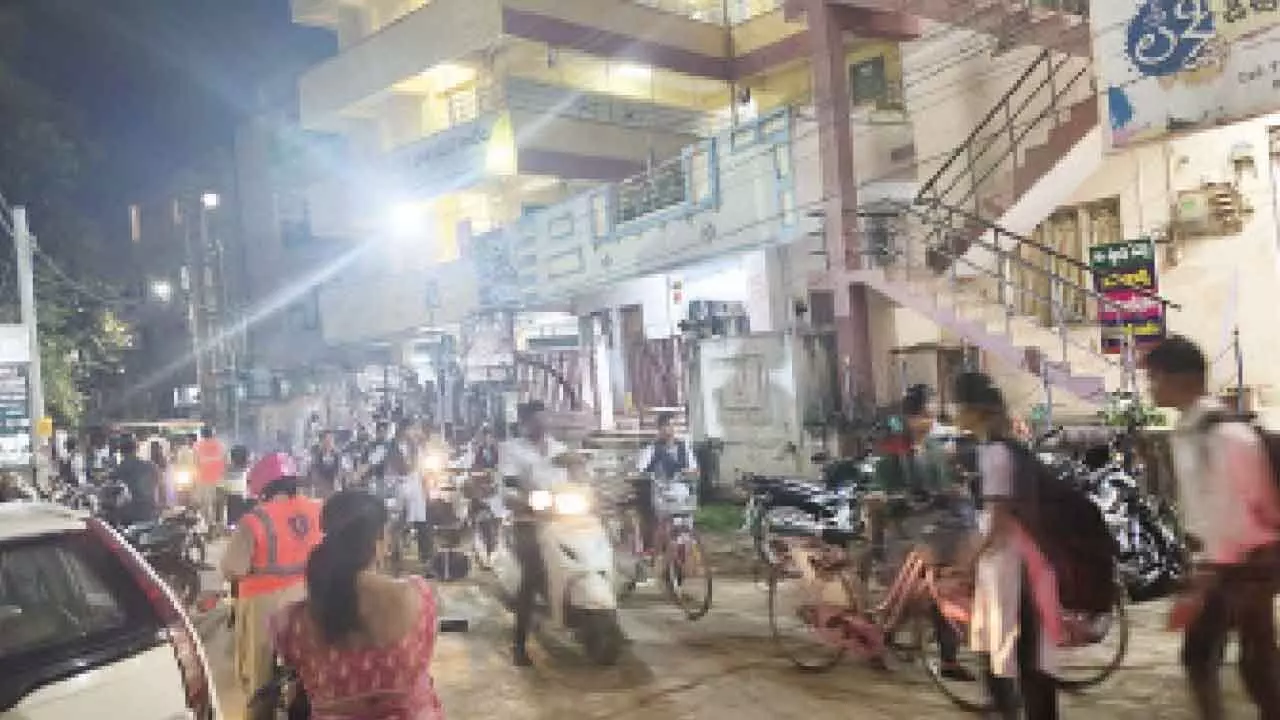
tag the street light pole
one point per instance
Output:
(24, 246)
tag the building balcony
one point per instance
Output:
(517, 127)
(752, 187)
(448, 30)
(755, 186)
(521, 127)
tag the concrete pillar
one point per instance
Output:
(769, 289)
(835, 135)
(603, 342)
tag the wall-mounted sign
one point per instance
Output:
(1170, 65)
(1124, 274)
(444, 161)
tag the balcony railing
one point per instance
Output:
(675, 212)
(739, 11)
(467, 106)
(662, 187)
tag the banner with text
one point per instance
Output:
(1124, 274)
(1173, 65)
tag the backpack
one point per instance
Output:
(1069, 529)
(1270, 440)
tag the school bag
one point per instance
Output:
(1069, 529)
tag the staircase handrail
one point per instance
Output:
(977, 131)
(1022, 240)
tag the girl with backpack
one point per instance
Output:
(1015, 618)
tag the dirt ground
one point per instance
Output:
(724, 666)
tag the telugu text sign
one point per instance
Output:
(1124, 274)
(1172, 65)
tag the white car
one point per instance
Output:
(87, 629)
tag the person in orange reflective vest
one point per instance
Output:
(211, 469)
(266, 561)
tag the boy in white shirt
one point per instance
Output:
(1229, 508)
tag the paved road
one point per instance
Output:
(721, 667)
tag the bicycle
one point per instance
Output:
(838, 611)
(675, 542)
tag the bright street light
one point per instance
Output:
(162, 290)
(407, 219)
(210, 200)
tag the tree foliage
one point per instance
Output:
(46, 161)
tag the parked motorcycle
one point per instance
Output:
(1152, 557)
(581, 588)
(166, 545)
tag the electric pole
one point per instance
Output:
(24, 246)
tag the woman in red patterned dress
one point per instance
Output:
(362, 642)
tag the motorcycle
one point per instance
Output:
(1152, 558)
(166, 545)
(581, 588)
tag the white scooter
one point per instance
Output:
(581, 591)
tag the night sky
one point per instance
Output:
(159, 82)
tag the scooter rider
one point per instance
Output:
(266, 562)
(666, 458)
(533, 461)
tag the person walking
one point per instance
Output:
(1230, 512)
(1015, 600)
(211, 468)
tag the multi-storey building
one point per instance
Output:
(183, 259)
(894, 189)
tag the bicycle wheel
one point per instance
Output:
(1099, 647)
(689, 575)
(795, 607)
(968, 694)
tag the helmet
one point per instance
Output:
(270, 468)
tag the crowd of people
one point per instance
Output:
(310, 539)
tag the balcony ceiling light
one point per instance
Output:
(449, 75)
(635, 72)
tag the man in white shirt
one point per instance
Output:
(1228, 506)
(535, 461)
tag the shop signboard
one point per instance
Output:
(1124, 274)
(15, 416)
(1166, 66)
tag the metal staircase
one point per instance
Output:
(1041, 119)
(986, 304)
(961, 253)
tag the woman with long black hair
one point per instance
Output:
(362, 642)
(1013, 583)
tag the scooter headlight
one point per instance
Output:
(571, 504)
(433, 462)
(541, 500)
(182, 479)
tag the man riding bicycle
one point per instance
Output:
(664, 459)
